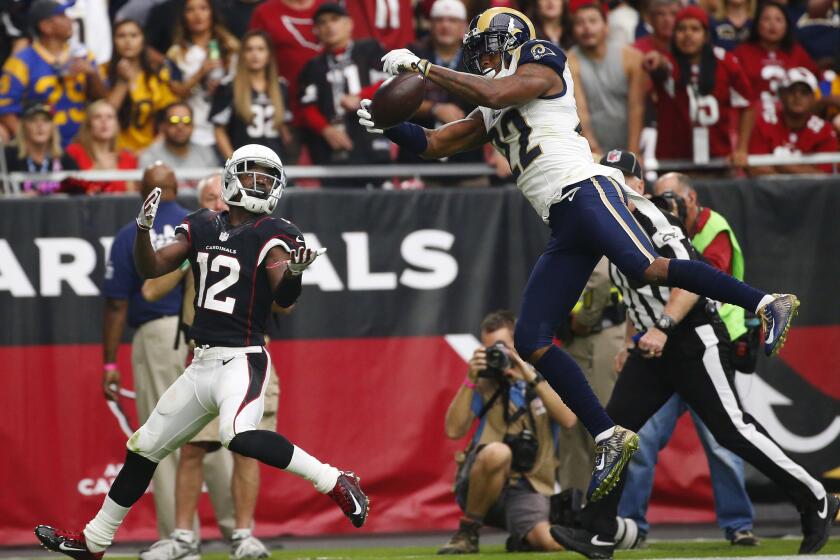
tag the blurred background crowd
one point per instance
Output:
(115, 85)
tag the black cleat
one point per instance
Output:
(66, 542)
(816, 524)
(350, 498)
(583, 542)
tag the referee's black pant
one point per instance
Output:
(695, 364)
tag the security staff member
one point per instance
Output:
(683, 347)
(713, 237)
(593, 337)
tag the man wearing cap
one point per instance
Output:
(50, 72)
(793, 128)
(330, 87)
(443, 47)
(611, 83)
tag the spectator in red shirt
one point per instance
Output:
(793, 128)
(290, 25)
(390, 22)
(95, 147)
(696, 86)
(770, 50)
(661, 15)
(331, 86)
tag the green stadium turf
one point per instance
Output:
(664, 549)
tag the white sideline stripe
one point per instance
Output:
(463, 344)
(711, 360)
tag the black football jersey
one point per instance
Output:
(260, 130)
(324, 80)
(232, 294)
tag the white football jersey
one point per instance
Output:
(540, 138)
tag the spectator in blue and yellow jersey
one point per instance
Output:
(50, 71)
(138, 87)
(828, 103)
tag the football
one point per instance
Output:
(397, 99)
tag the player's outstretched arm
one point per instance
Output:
(285, 272)
(527, 83)
(148, 262)
(455, 137)
(452, 138)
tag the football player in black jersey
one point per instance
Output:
(242, 260)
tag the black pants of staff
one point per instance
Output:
(695, 364)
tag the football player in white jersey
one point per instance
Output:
(525, 96)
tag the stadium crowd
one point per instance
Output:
(187, 81)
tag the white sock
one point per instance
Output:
(186, 535)
(239, 534)
(99, 533)
(604, 435)
(764, 301)
(321, 475)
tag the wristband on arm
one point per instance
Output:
(409, 136)
(288, 291)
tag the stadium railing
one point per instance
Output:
(11, 181)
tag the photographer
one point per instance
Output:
(508, 471)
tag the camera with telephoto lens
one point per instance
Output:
(524, 447)
(498, 361)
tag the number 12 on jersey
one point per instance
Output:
(209, 300)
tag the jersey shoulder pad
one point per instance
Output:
(280, 232)
(543, 52)
(193, 221)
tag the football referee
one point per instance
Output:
(683, 347)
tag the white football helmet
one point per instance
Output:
(254, 179)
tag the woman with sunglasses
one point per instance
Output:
(138, 87)
(203, 53)
(252, 108)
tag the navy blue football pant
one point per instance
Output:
(591, 221)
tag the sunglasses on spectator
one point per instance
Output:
(180, 120)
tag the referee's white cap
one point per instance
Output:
(449, 9)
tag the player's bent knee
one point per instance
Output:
(146, 445)
(657, 271)
(531, 341)
(226, 434)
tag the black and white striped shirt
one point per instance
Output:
(645, 303)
